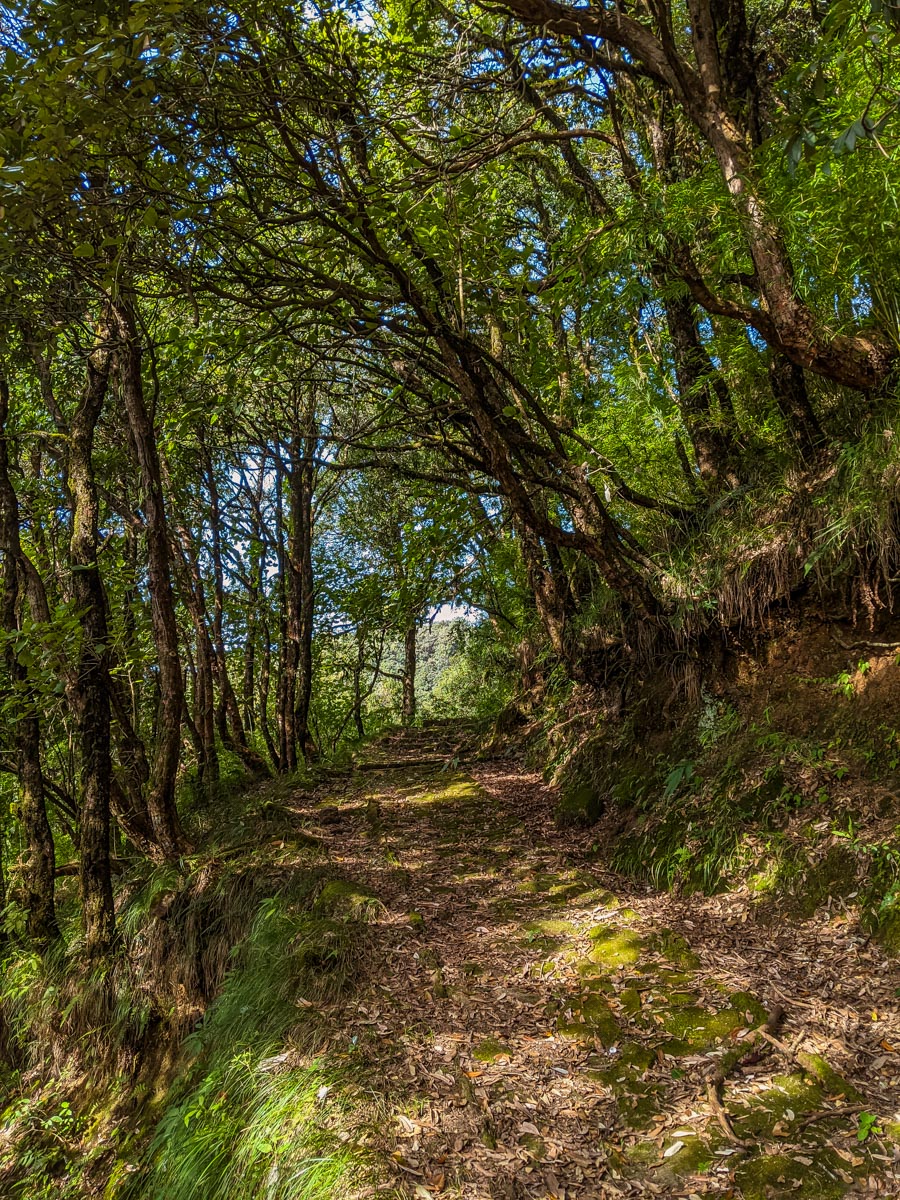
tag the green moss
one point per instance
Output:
(648, 1158)
(834, 875)
(635, 1054)
(696, 1027)
(746, 1002)
(887, 932)
(638, 1102)
(643, 1154)
(551, 927)
(570, 889)
(627, 914)
(669, 978)
(463, 790)
(632, 1060)
(597, 1019)
(595, 1007)
(764, 881)
(578, 1031)
(630, 999)
(673, 947)
(689, 1159)
(343, 898)
(677, 1047)
(833, 1083)
(777, 1177)
(490, 1050)
(789, 1093)
(579, 805)
(788, 878)
(612, 947)
(534, 885)
(536, 1146)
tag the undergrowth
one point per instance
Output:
(781, 804)
(192, 1067)
(254, 1111)
(771, 816)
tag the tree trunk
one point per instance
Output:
(861, 360)
(230, 724)
(357, 682)
(788, 385)
(38, 873)
(265, 675)
(699, 386)
(409, 674)
(302, 513)
(286, 685)
(167, 748)
(89, 690)
(204, 716)
(296, 691)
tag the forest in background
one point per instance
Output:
(315, 319)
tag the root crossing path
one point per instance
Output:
(534, 1026)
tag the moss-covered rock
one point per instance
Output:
(341, 898)
(550, 928)
(638, 1101)
(630, 999)
(595, 1020)
(580, 804)
(772, 1108)
(832, 1082)
(613, 947)
(700, 1029)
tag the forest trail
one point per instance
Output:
(538, 1027)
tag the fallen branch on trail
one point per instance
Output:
(716, 1082)
(849, 1110)
(713, 1088)
(398, 764)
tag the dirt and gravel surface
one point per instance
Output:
(535, 1026)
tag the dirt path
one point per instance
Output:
(541, 1028)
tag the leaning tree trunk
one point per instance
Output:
(699, 385)
(302, 486)
(38, 875)
(194, 597)
(296, 677)
(788, 384)
(229, 721)
(89, 689)
(167, 749)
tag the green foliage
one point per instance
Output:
(867, 1124)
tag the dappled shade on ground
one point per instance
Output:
(542, 1029)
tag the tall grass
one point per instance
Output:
(187, 1070)
(254, 1111)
